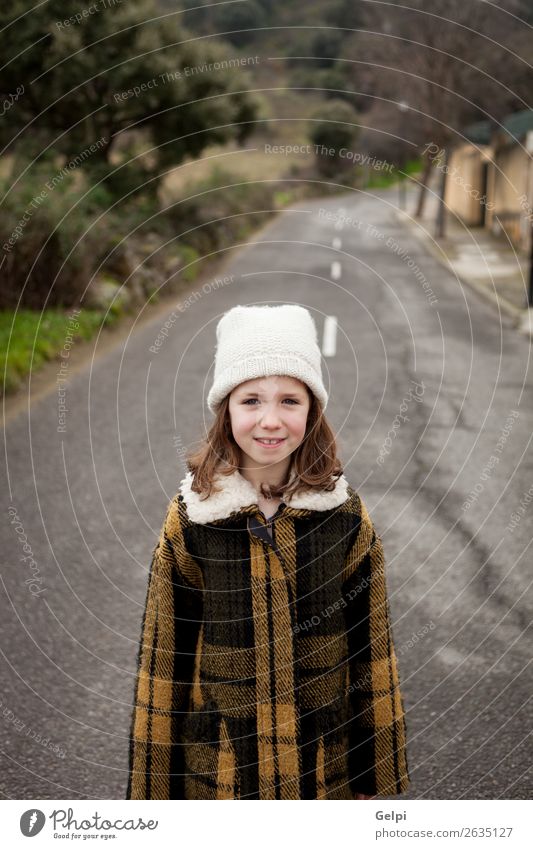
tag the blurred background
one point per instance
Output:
(119, 117)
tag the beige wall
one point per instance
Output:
(511, 178)
(464, 186)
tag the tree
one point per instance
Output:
(344, 13)
(90, 75)
(332, 132)
(235, 22)
(324, 47)
(239, 21)
(446, 63)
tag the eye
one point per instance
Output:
(290, 400)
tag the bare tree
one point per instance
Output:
(433, 66)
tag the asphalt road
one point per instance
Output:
(417, 357)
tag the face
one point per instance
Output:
(273, 408)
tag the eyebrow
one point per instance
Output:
(250, 394)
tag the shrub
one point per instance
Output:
(39, 226)
(334, 129)
(217, 216)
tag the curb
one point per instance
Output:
(523, 318)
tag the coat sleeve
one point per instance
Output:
(377, 759)
(165, 667)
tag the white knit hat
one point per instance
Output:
(260, 341)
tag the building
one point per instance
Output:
(490, 177)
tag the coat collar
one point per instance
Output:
(237, 493)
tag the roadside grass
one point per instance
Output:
(29, 338)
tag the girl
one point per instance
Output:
(266, 668)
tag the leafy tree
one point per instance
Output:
(337, 84)
(325, 46)
(208, 18)
(239, 21)
(344, 13)
(332, 131)
(93, 75)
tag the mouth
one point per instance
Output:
(269, 443)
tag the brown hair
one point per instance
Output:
(314, 464)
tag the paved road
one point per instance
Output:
(416, 356)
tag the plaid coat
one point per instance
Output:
(266, 668)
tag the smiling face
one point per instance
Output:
(269, 408)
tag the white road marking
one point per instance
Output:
(329, 339)
(336, 270)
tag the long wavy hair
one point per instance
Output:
(314, 464)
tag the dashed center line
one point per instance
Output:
(336, 270)
(329, 339)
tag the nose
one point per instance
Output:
(269, 417)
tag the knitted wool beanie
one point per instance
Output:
(260, 341)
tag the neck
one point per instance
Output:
(273, 476)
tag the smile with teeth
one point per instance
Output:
(268, 441)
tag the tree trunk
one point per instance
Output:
(440, 223)
(423, 189)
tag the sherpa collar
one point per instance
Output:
(238, 493)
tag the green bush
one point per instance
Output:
(334, 129)
(325, 46)
(128, 183)
(238, 22)
(39, 226)
(219, 213)
(337, 84)
(190, 255)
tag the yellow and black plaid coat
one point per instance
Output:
(266, 668)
